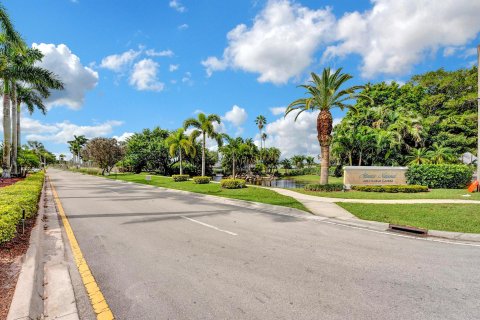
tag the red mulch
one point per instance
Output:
(8, 181)
(10, 264)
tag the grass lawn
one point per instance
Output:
(249, 194)
(447, 217)
(434, 194)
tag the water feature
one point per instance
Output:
(274, 183)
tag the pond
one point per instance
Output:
(275, 183)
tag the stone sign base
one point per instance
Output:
(364, 175)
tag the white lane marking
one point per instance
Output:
(210, 226)
(458, 243)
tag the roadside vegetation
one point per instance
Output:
(23, 195)
(248, 194)
(447, 217)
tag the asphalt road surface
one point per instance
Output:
(160, 254)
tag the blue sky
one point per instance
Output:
(130, 65)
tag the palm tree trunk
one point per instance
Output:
(14, 131)
(233, 166)
(324, 130)
(181, 169)
(203, 155)
(19, 112)
(7, 135)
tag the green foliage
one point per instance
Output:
(302, 172)
(27, 159)
(188, 168)
(233, 183)
(324, 187)
(104, 152)
(446, 176)
(180, 177)
(90, 171)
(392, 188)
(201, 180)
(431, 119)
(21, 195)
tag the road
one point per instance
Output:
(160, 254)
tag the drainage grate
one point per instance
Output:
(408, 229)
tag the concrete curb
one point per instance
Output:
(27, 302)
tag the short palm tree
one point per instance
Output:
(325, 93)
(417, 156)
(260, 121)
(232, 148)
(440, 154)
(178, 142)
(203, 125)
(286, 164)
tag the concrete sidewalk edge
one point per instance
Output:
(27, 302)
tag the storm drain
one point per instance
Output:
(408, 229)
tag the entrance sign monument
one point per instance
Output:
(366, 175)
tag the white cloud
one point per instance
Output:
(163, 53)
(77, 78)
(144, 76)
(124, 136)
(294, 137)
(187, 78)
(177, 5)
(278, 110)
(116, 62)
(395, 35)
(183, 26)
(237, 116)
(173, 67)
(280, 44)
(61, 132)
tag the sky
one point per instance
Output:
(129, 65)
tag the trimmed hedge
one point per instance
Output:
(392, 188)
(180, 177)
(324, 187)
(201, 180)
(21, 195)
(233, 183)
(90, 171)
(440, 176)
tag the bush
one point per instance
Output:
(392, 188)
(180, 177)
(303, 171)
(21, 195)
(324, 187)
(233, 183)
(436, 176)
(201, 180)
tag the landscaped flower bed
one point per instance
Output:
(13, 199)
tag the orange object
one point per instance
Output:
(473, 187)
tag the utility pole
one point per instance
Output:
(478, 106)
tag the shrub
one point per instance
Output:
(232, 183)
(435, 176)
(180, 177)
(324, 187)
(201, 180)
(392, 188)
(21, 195)
(303, 171)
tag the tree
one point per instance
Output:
(286, 164)
(204, 126)
(325, 94)
(232, 150)
(76, 147)
(260, 121)
(298, 161)
(38, 148)
(440, 154)
(310, 161)
(105, 152)
(178, 142)
(264, 138)
(418, 156)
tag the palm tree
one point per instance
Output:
(260, 121)
(440, 154)
(310, 161)
(233, 149)
(298, 160)
(325, 94)
(76, 147)
(264, 138)
(178, 141)
(204, 126)
(286, 164)
(417, 156)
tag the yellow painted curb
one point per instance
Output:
(99, 304)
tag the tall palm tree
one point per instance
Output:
(260, 121)
(76, 147)
(325, 94)
(264, 138)
(203, 125)
(178, 142)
